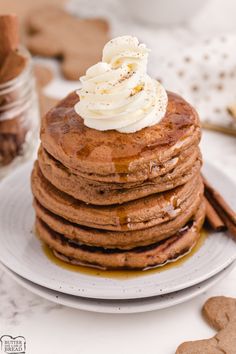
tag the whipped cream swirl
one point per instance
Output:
(117, 93)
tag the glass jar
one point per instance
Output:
(19, 118)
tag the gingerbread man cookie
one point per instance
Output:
(53, 32)
(220, 312)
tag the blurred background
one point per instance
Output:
(192, 46)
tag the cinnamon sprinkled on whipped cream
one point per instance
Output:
(117, 93)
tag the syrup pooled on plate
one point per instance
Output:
(125, 274)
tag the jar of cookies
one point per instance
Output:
(19, 111)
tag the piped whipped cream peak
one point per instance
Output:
(117, 93)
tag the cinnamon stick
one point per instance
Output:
(220, 201)
(225, 129)
(232, 111)
(9, 35)
(12, 62)
(12, 66)
(213, 218)
(224, 211)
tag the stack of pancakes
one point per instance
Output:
(113, 200)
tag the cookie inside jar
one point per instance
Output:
(19, 113)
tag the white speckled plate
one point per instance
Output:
(121, 306)
(21, 251)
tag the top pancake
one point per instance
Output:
(113, 156)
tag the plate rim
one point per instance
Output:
(110, 294)
(97, 305)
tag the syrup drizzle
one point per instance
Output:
(89, 146)
(125, 274)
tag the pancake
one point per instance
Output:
(135, 215)
(105, 193)
(113, 156)
(137, 258)
(116, 239)
(113, 200)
